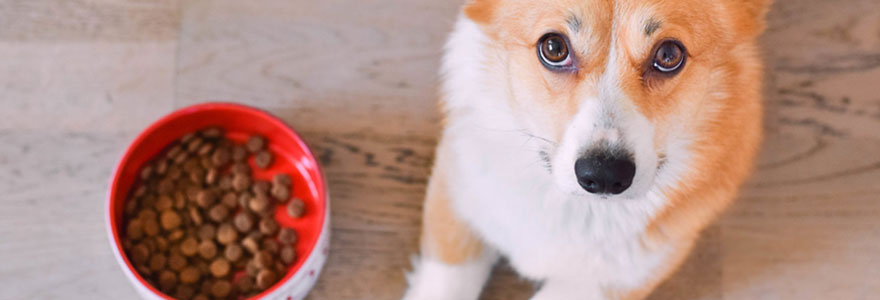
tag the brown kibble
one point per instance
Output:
(135, 229)
(140, 253)
(192, 193)
(271, 246)
(170, 220)
(203, 266)
(243, 222)
(165, 187)
(220, 267)
(244, 284)
(287, 255)
(206, 198)
(146, 172)
(190, 275)
(259, 203)
(268, 226)
(226, 234)
(175, 235)
(197, 176)
(179, 159)
(230, 200)
(162, 167)
(201, 297)
(131, 207)
(151, 227)
(296, 208)
(225, 182)
(220, 157)
(240, 168)
(194, 144)
(280, 269)
(205, 149)
(263, 159)
(281, 193)
(221, 288)
(287, 236)
(188, 137)
(167, 280)
(255, 143)
(211, 176)
(164, 203)
(189, 246)
(241, 181)
(212, 132)
(250, 243)
(243, 199)
(185, 292)
(250, 269)
(218, 213)
(206, 286)
(281, 179)
(176, 261)
(265, 279)
(239, 153)
(207, 232)
(207, 249)
(143, 270)
(206, 163)
(179, 200)
(195, 215)
(161, 243)
(233, 252)
(263, 259)
(261, 187)
(157, 262)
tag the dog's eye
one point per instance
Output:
(553, 51)
(669, 57)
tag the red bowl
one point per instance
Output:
(291, 156)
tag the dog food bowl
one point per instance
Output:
(292, 156)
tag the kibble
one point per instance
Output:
(265, 278)
(220, 267)
(190, 274)
(243, 222)
(207, 249)
(263, 159)
(287, 236)
(296, 208)
(221, 289)
(255, 143)
(197, 217)
(170, 220)
(281, 193)
(226, 234)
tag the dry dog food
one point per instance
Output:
(198, 225)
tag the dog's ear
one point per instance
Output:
(749, 16)
(481, 11)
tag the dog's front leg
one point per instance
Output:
(454, 262)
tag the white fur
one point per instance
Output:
(579, 245)
(439, 281)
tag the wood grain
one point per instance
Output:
(358, 79)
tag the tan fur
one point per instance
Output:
(444, 236)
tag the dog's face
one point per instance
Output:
(620, 88)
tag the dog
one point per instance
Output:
(588, 142)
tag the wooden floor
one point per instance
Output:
(79, 78)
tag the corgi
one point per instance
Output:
(588, 142)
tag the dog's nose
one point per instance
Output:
(604, 172)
